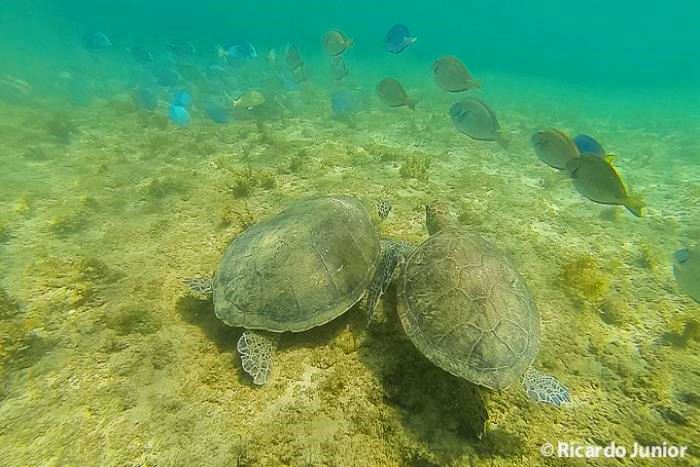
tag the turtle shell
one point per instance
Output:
(467, 309)
(299, 269)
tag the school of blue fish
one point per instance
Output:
(217, 85)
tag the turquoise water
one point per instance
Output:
(111, 203)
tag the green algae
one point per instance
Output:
(236, 215)
(416, 167)
(585, 279)
(683, 330)
(243, 183)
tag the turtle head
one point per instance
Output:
(378, 210)
(437, 217)
(383, 209)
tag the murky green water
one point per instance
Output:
(109, 202)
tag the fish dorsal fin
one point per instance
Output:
(609, 158)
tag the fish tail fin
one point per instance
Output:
(411, 104)
(635, 205)
(221, 52)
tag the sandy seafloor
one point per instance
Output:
(106, 358)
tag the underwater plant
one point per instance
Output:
(240, 187)
(236, 215)
(682, 330)
(415, 167)
(242, 183)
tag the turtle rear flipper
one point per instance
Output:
(542, 387)
(257, 350)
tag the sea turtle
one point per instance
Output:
(466, 308)
(297, 270)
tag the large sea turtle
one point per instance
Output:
(297, 270)
(466, 308)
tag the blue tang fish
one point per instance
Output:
(168, 77)
(182, 98)
(96, 42)
(588, 145)
(218, 112)
(238, 50)
(141, 54)
(179, 115)
(182, 49)
(344, 104)
(146, 99)
(398, 39)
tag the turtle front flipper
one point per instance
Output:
(392, 254)
(542, 387)
(200, 285)
(256, 349)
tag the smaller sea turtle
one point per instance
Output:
(467, 309)
(297, 270)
